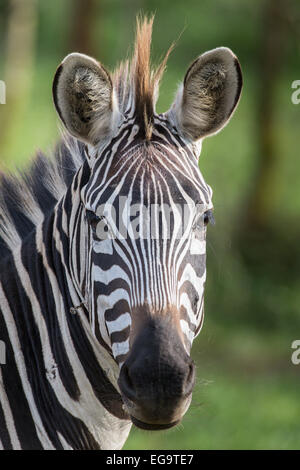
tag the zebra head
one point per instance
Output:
(145, 209)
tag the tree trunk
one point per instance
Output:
(19, 55)
(272, 52)
(81, 36)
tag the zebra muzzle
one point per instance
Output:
(157, 378)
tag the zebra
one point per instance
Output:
(100, 299)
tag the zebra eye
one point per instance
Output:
(98, 225)
(209, 218)
(204, 220)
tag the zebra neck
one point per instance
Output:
(67, 394)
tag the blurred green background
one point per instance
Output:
(247, 391)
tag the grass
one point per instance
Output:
(234, 412)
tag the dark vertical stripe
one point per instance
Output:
(24, 423)
(4, 436)
(54, 417)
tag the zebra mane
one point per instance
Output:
(27, 197)
(137, 81)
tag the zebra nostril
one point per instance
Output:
(190, 378)
(126, 383)
(128, 378)
(191, 372)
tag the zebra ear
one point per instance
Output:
(84, 99)
(209, 94)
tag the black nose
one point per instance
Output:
(157, 380)
(158, 375)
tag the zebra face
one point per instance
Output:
(147, 225)
(146, 212)
(146, 207)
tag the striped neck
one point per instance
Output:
(69, 380)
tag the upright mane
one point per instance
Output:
(137, 81)
(27, 197)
